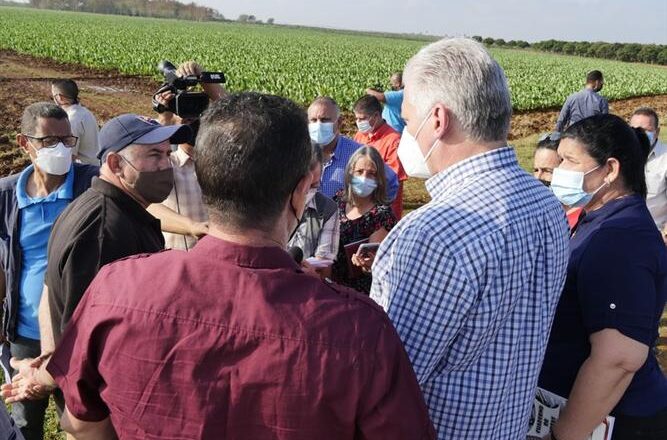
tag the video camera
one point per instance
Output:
(187, 105)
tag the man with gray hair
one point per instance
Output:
(30, 202)
(324, 125)
(471, 280)
(107, 222)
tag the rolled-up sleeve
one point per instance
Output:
(616, 285)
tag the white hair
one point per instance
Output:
(326, 101)
(460, 74)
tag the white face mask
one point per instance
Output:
(55, 160)
(364, 126)
(322, 133)
(568, 187)
(411, 156)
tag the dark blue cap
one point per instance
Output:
(129, 129)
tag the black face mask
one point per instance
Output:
(545, 182)
(153, 186)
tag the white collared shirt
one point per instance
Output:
(656, 183)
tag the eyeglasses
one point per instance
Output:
(52, 141)
(552, 137)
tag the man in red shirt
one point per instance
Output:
(374, 131)
(232, 340)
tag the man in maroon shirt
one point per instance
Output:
(232, 340)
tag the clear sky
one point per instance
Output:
(638, 21)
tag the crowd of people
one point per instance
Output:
(296, 300)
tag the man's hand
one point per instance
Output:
(308, 269)
(191, 68)
(364, 261)
(26, 384)
(166, 118)
(198, 229)
(664, 233)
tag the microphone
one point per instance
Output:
(296, 253)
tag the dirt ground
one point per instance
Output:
(25, 80)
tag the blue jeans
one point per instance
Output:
(29, 414)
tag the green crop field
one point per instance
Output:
(297, 63)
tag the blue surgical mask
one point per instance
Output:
(364, 126)
(363, 186)
(322, 133)
(568, 187)
(651, 137)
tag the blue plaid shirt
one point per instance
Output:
(471, 281)
(333, 171)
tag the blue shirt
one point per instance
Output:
(579, 106)
(471, 281)
(392, 110)
(333, 171)
(37, 216)
(616, 279)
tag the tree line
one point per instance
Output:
(629, 52)
(143, 8)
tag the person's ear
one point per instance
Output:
(113, 162)
(23, 142)
(338, 125)
(614, 170)
(441, 120)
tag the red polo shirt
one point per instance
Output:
(235, 342)
(385, 139)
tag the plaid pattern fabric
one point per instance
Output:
(471, 282)
(185, 198)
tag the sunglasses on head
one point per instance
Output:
(553, 136)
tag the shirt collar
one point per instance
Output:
(448, 179)
(340, 144)
(181, 158)
(132, 207)
(380, 132)
(258, 257)
(612, 207)
(658, 149)
(63, 192)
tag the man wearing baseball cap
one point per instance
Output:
(109, 221)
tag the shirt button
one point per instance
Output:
(612, 306)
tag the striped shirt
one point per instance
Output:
(185, 199)
(471, 281)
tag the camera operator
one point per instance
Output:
(182, 215)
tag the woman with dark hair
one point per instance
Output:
(546, 158)
(599, 353)
(364, 213)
